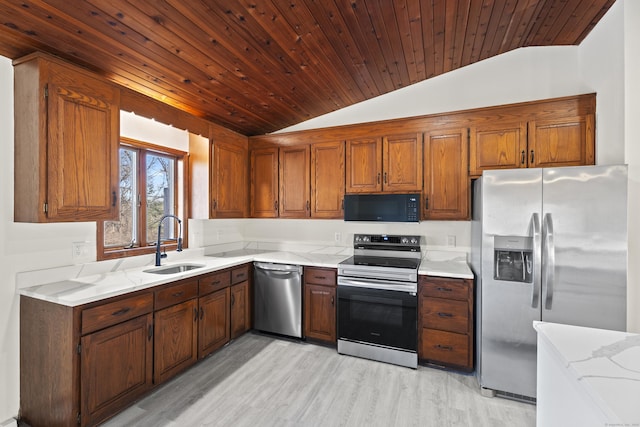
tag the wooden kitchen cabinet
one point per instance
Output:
(562, 142)
(176, 329)
(240, 301)
(446, 181)
(294, 173)
(116, 368)
(229, 181)
(320, 304)
(214, 312)
(327, 179)
(364, 165)
(392, 163)
(264, 182)
(96, 358)
(497, 146)
(546, 142)
(445, 322)
(66, 143)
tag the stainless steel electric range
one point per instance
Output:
(377, 299)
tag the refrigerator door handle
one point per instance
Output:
(550, 260)
(535, 292)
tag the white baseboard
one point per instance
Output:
(11, 422)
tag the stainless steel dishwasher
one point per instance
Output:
(278, 298)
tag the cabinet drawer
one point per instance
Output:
(444, 288)
(214, 282)
(446, 315)
(176, 294)
(446, 347)
(239, 274)
(100, 317)
(320, 276)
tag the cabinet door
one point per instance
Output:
(115, 368)
(82, 149)
(364, 165)
(327, 179)
(562, 142)
(264, 183)
(320, 312)
(402, 163)
(229, 181)
(295, 201)
(176, 339)
(446, 181)
(499, 146)
(213, 328)
(240, 309)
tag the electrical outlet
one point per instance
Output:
(337, 237)
(80, 252)
(451, 240)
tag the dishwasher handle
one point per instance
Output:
(284, 268)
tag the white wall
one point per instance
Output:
(631, 93)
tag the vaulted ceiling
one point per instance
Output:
(256, 66)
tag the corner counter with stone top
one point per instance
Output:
(587, 377)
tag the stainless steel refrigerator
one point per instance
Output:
(551, 245)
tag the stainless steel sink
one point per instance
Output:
(173, 269)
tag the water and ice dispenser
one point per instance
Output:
(513, 258)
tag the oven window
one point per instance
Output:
(381, 317)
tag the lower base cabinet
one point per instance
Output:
(320, 304)
(445, 322)
(126, 347)
(81, 365)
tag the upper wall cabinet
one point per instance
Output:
(294, 182)
(327, 179)
(392, 163)
(229, 181)
(547, 142)
(446, 182)
(264, 182)
(280, 182)
(66, 143)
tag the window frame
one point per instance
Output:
(181, 203)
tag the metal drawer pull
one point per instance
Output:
(441, 289)
(121, 311)
(150, 332)
(201, 313)
(195, 314)
(444, 347)
(177, 294)
(217, 282)
(320, 277)
(441, 314)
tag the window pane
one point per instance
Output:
(160, 196)
(123, 232)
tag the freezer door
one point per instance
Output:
(511, 206)
(585, 246)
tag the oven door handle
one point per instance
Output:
(386, 285)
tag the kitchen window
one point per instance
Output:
(152, 184)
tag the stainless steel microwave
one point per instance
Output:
(382, 207)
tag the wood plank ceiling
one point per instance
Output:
(256, 66)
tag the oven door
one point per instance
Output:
(382, 317)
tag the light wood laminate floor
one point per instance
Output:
(259, 380)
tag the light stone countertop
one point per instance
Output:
(602, 365)
(85, 288)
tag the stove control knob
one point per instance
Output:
(414, 241)
(404, 240)
(358, 239)
(366, 238)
